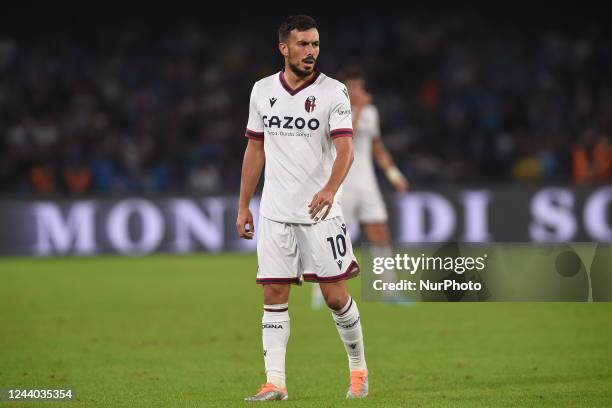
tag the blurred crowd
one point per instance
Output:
(461, 99)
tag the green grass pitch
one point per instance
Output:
(184, 331)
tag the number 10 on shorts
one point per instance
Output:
(338, 246)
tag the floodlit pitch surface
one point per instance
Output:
(184, 331)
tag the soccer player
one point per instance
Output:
(361, 200)
(300, 127)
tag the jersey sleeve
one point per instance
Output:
(340, 118)
(254, 128)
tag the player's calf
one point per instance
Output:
(348, 323)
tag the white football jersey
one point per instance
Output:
(297, 127)
(362, 172)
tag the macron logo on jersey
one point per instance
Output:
(300, 126)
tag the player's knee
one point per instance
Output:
(275, 294)
(378, 234)
(336, 301)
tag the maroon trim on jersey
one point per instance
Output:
(343, 132)
(306, 84)
(266, 309)
(280, 281)
(351, 272)
(254, 135)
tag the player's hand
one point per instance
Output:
(244, 220)
(321, 203)
(401, 186)
(397, 179)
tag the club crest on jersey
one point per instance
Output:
(310, 104)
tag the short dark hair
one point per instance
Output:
(300, 22)
(351, 72)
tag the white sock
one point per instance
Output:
(384, 251)
(317, 301)
(381, 250)
(348, 323)
(390, 275)
(275, 334)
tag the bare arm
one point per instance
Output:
(384, 160)
(340, 168)
(381, 156)
(252, 165)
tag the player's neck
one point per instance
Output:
(295, 81)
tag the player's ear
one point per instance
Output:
(283, 48)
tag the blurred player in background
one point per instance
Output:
(362, 200)
(300, 128)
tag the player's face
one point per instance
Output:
(355, 88)
(301, 51)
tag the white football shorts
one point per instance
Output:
(363, 204)
(291, 253)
